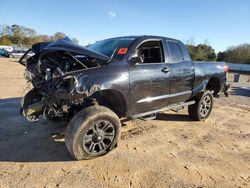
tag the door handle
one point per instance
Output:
(166, 70)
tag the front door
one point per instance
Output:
(149, 77)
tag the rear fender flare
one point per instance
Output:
(199, 90)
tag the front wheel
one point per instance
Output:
(202, 107)
(92, 132)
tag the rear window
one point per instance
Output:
(175, 51)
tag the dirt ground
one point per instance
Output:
(170, 151)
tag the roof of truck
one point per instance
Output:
(145, 36)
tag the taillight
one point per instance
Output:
(226, 68)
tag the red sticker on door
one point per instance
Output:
(122, 51)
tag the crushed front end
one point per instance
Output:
(60, 85)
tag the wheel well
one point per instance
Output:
(111, 99)
(214, 85)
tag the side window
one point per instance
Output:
(151, 52)
(175, 52)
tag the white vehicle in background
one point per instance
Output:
(16, 53)
(19, 53)
(7, 48)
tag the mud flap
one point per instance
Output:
(225, 90)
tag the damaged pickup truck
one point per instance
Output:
(133, 77)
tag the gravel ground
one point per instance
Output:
(239, 92)
(170, 151)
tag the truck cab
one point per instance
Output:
(161, 73)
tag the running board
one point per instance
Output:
(178, 105)
(148, 117)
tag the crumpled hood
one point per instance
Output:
(66, 44)
(38, 47)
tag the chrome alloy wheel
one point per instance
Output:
(99, 137)
(205, 106)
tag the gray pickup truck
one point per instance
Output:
(132, 76)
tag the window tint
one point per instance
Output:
(175, 52)
(108, 46)
(151, 52)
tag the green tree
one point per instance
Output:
(88, 45)
(238, 54)
(42, 38)
(58, 35)
(24, 36)
(201, 52)
(29, 36)
(75, 41)
(221, 56)
(4, 40)
(5, 30)
(16, 34)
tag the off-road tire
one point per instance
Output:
(194, 111)
(82, 122)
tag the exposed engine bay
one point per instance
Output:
(59, 84)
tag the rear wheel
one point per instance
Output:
(92, 132)
(202, 107)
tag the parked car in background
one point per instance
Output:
(4, 53)
(7, 48)
(20, 53)
(16, 53)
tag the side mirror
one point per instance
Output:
(135, 58)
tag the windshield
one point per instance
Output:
(108, 46)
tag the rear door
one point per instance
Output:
(182, 69)
(149, 77)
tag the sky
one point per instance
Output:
(221, 23)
